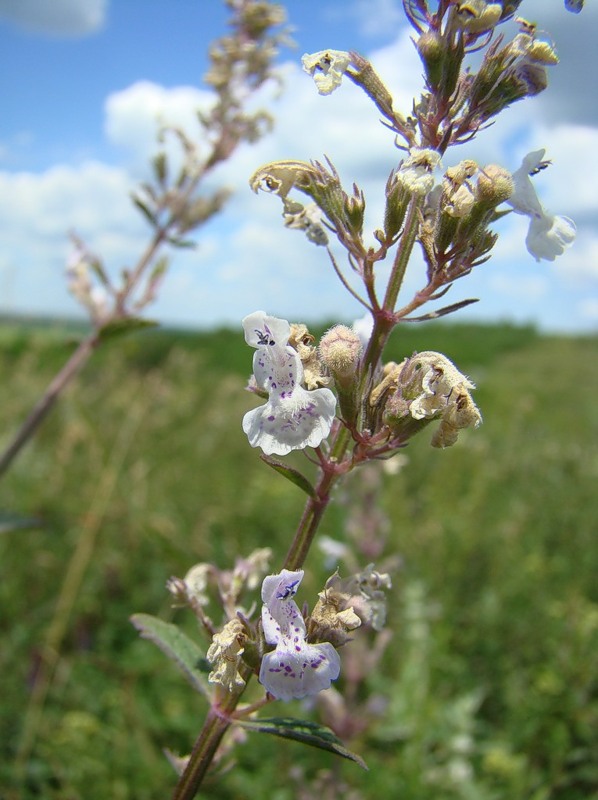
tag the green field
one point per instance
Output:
(488, 687)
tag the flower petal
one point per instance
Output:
(299, 672)
(549, 236)
(282, 425)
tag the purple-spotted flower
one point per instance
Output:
(295, 669)
(293, 417)
(548, 235)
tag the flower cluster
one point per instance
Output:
(293, 417)
(425, 387)
(295, 668)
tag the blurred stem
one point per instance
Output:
(75, 573)
(215, 726)
(46, 402)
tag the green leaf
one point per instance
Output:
(145, 210)
(177, 646)
(290, 474)
(120, 327)
(310, 733)
(14, 522)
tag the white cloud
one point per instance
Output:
(135, 115)
(56, 17)
(581, 263)
(247, 259)
(37, 212)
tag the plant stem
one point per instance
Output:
(403, 254)
(316, 506)
(46, 402)
(204, 749)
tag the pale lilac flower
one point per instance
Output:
(548, 235)
(295, 669)
(293, 418)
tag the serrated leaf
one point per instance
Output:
(14, 522)
(119, 327)
(290, 474)
(309, 733)
(177, 646)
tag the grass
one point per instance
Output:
(487, 689)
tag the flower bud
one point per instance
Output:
(432, 51)
(340, 351)
(494, 185)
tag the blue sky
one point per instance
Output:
(83, 82)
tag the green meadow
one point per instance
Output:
(487, 689)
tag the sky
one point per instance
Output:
(85, 85)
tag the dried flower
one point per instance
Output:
(424, 387)
(224, 654)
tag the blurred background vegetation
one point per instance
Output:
(142, 470)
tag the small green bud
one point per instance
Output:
(432, 51)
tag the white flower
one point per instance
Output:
(295, 669)
(416, 172)
(293, 418)
(548, 235)
(327, 68)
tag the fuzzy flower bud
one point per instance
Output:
(340, 351)
(494, 185)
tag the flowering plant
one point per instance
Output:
(336, 405)
(339, 398)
